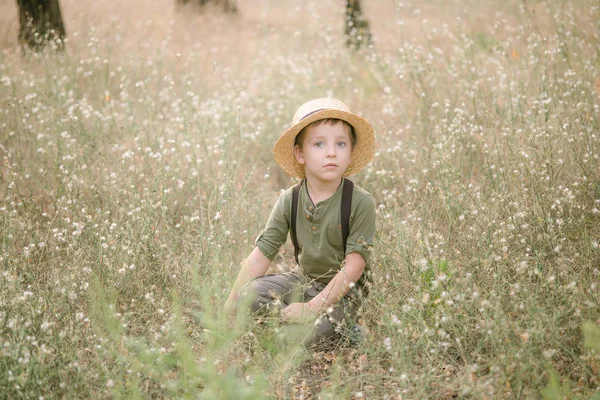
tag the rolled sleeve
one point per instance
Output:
(362, 228)
(270, 239)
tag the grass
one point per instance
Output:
(137, 170)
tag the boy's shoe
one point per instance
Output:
(356, 335)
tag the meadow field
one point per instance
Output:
(137, 169)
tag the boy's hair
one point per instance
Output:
(329, 121)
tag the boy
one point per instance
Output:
(325, 143)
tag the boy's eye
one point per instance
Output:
(341, 144)
(319, 144)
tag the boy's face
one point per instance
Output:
(326, 152)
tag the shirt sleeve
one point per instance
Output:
(270, 239)
(362, 228)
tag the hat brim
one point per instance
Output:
(362, 152)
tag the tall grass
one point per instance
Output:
(137, 169)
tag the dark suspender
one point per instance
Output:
(295, 196)
(346, 208)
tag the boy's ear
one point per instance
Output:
(299, 154)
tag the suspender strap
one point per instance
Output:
(295, 196)
(346, 208)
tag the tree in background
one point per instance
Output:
(40, 23)
(229, 6)
(357, 30)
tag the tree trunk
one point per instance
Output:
(40, 23)
(229, 6)
(357, 30)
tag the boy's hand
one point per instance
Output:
(298, 313)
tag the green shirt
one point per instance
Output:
(319, 231)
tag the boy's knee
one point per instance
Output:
(257, 296)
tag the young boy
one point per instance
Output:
(325, 143)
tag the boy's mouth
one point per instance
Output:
(331, 165)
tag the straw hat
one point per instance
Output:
(315, 110)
